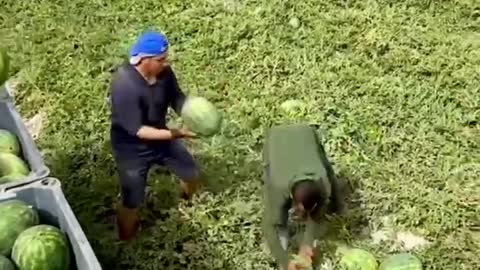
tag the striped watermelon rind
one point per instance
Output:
(42, 247)
(401, 261)
(201, 116)
(6, 264)
(9, 142)
(12, 164)
(17, 216)
(4, 65)
(10, 178)
(357, 259)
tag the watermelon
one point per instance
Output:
(357, 259)
(4, 65)
(9, 142)
(42, 247)
(201, 116)
(294, 22)
(17, 216)
(12, 164)
(10, 178)
(291, 106)
(6, 264)
(402, 261)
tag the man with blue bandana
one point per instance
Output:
(142, 89)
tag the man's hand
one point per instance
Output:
(187, 133)
(306, 252)
(151, 133)
(303, 260)
(182, 133)
(292, 265)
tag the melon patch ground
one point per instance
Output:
(35, 124)
(392, 86)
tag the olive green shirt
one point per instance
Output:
(291, 153)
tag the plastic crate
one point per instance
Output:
(11, 120)
(47, 197)
(5, 92)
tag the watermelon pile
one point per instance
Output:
(201, 116)
(26, 244)
(4, 65)
(12, 166)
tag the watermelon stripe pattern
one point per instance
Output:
(42, 247)
(358, 259)
(9, 142)
(402, 261)
(12, 164)
(6, 264)
(10, 178)
(201, 116)
(16, 217)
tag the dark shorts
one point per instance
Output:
(133, 172)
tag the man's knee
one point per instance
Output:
(192, 175)
(183, 164)
(132, 197)
(133, 184)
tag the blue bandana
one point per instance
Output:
(147, 45)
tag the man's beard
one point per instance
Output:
(297, 215)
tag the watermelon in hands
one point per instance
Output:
(201, 116)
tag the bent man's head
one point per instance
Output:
(150, 53)
(306, 196)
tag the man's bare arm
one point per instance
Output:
(151, 133)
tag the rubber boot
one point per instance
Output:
(127, 223)
(189, 188)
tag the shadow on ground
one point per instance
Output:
(173, 243)
(355, 219)
(89, 181)
(348, 227)
(168, 239)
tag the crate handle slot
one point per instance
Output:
(48, 182)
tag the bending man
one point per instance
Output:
(299, 180)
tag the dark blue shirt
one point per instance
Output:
(135, 103)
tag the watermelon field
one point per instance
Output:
(393, 86)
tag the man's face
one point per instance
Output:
(300, 210)
(157, 64)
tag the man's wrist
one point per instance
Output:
(175, 133)
(306, 251)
